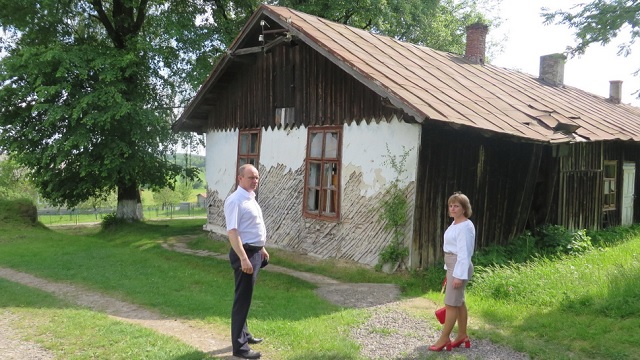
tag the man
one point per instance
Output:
(247, 235)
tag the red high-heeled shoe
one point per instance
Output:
(439, 348)
(466, 341)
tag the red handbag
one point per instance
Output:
(441, 313)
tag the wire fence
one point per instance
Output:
(58, 216)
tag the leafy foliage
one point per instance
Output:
(94, 84)
(14, 183)
(599, 21)
(111, 221)
(545, 241)
(394, 207)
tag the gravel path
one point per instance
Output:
(12, 348)
(393, 331)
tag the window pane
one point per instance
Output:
(326, 175)
(244, 144)
(610, 170)
(254, 143)
(315, 145)
(329, 202)
(312, 199)
(314, 174)
(331, 145)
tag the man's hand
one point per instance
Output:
(265, 254)
(246, 266)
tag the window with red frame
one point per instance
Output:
(322, 175)
(249, 147)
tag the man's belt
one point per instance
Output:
(249, 247)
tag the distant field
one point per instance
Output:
(88, 216)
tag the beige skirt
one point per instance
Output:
(454, 297)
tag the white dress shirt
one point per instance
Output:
(460, 239)
(242, 212)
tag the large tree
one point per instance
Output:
(88, 88)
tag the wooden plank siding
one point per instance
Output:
(580, 186)
(297, 77)
(623, 152)
(512, 186)
(500, 177)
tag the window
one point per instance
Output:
(609, 184)
(322, 175)
(249, 147)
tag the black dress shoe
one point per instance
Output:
(249, 354)
(253, 340)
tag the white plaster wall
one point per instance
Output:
(364, 149)
(282, 156)
(220, 162)
(286, 147)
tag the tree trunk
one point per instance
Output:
(129, 203)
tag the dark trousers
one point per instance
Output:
(242, 299)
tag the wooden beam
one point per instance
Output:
(262, 48)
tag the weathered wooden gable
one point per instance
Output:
(297, 78)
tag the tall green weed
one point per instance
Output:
(603, 279)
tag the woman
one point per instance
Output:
(459, 242)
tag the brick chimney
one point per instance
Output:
(476, 43)
(615, 91)
(552, 69)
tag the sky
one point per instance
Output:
(527, 38)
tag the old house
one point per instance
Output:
(201, 200)
(321, 108)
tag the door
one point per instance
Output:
(628, 192)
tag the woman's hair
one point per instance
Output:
(463, 200)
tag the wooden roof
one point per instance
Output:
(432, 85)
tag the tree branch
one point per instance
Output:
(142, 12)
(104, 19)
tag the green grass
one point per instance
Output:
(572, 307)
(70, 332)
(565, 307)
(339, 270)
(128, 263)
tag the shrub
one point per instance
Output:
(110, 221)
(613, 235)
(555, 239)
